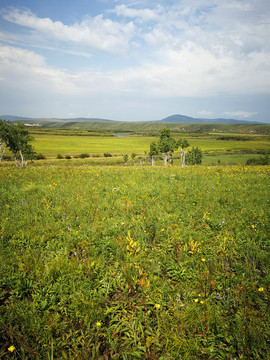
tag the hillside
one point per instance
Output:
(188, 125)
(187, 119)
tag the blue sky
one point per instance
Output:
(133, 60)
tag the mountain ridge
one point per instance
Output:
(176, 118)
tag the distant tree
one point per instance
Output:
(182, 143)
(125, 158)
(18, 141)
(153, 151)
(133, 155)
(194, 156)
(166, 143)
(3, 138)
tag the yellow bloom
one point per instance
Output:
(196, 300)
(98, 324)
(11, 348)
(201, 302)
(203, 259)
(157, 306)
(261, 289)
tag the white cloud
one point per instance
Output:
(24, 70)
(93, 33)
(143, 14)
(240, 114)
(184, 48)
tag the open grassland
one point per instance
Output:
(134, 262)
(51, 145)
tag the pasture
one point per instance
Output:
(130, 262)
(214, 150)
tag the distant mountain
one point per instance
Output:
(36, 120)
(190, 120)
(177, 119)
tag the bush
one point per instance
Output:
(7, 158)
(68, 157)
(84, 155)
(106, 154)
(40, 157)
(194, 156)
(262, 160)
(59, 156)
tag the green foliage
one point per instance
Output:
(84, 155)
(17, 139)
(194, 156)
(182, 143)
(166, 143)
(40, 156)
(262, 160)
(106, 154)
(125, 158)
(153, 149)
(3, 138)
(59, 156)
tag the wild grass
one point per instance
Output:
(134, 262)
(51, 145)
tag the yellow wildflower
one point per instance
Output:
(11, 348)
(201, 302)
(261, 289)
(203, 259)
(98, 324)
(157, 306)
(196, 300)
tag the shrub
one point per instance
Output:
(40, 157)
(194, 156)
(262, 160)
(106, 154)
(59, 156)
(68, 157)
(84, 155)
(7, 158)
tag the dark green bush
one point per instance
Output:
(84, 155)
(106, 154)
(262, 160)
(40, 157)
(59, 156)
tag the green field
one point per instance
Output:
(213, 149)
(51, 145)
(134, 262)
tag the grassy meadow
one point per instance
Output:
(215, 151)
(134, 262)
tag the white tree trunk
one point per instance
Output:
(21, 155)
(165, 159)
(183, 157)
(153, 161)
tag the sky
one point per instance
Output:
(132, 60)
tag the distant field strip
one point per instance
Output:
(51, 145)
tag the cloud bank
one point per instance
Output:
(185, 49)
